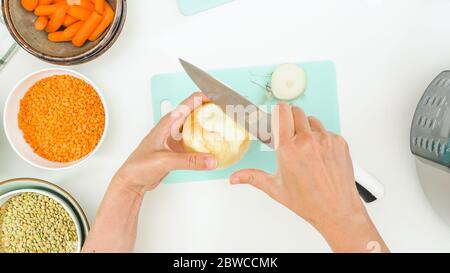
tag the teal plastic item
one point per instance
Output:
(191, 7)
(319, 100)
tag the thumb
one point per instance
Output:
(257, 178)
(191, 161)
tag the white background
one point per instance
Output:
(386, 52)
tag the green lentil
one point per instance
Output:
(35, 223)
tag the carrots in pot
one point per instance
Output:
(45, 10)
(99, 6)
(29, 5)
(79, 13)
(69, 20)
(41, 23)
(76, 21)
(107, 19)
(86, 30)
(56, 20)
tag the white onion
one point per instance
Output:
(209, 130)
(288, 82)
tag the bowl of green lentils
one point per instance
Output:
(38, 221)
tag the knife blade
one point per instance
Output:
(256, 121)
(225, 97)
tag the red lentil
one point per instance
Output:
(62, 118)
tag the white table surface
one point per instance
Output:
(386, 52)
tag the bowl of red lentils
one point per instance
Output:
(55, 119)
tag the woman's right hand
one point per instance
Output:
(315, 180)
(161, 152)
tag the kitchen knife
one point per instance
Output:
(258, 122)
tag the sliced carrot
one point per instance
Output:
(99, 6)
(87, 29)
(57, 20)
(73, 29)
(45, 10)
(108, 17)
(29, 5)
(45, 2)
(41, 23)
(58, 37)
(79, 13)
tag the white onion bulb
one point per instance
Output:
(209, 130)
(288, 82)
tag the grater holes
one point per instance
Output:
(426, 101)
(424, 143)
(442, 148)
(433, 101)
(430, 123)
(443, 82)
(431, 145)
(436, 146)
(447, 83)
(414, 141)
(437, 82)
(418, 141)
(424, 121)
(433, 124)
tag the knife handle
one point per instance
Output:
(369, 188)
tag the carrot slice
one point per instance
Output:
(108, 17)
(57, 20)
(58, 37)
(45, 2)
(29, 5)
(79, 13)
(73, 29)
(87, 29)
(41, 23)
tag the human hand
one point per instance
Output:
(161, 152)
(314, 179)
(115, 225)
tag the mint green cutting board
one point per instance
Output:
(320, 100)
(191, 7)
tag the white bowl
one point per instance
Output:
(4, 198)
(14, 133)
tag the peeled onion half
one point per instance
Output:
(288, 82)
(209, 130)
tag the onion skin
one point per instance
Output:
(226, 150)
